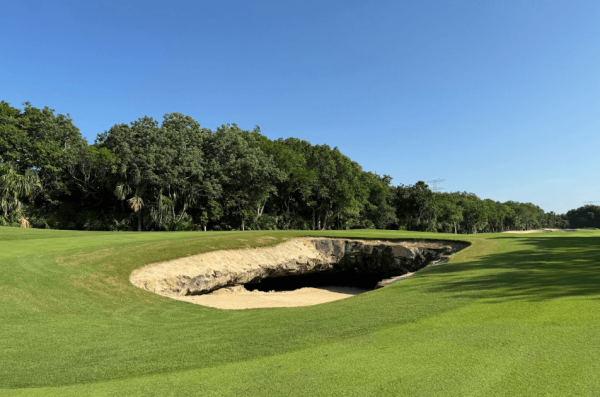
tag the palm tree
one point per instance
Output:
(14, 188)
(162, 212)
(136, 203)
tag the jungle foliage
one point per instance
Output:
(177, 175)
(586, 216)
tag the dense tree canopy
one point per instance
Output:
(586, 216)
(37, 139)
(176, 175)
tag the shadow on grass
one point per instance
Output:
(540, 268)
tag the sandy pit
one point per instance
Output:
(543, 231)
(240, 298)
(229, 279)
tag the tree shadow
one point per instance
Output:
(540, 268)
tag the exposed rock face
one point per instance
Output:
(204, 273)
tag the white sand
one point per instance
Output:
(230, 298)
(543, 231)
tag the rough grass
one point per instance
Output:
(510, 315)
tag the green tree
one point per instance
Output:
(37, 139)
(586, 216)
(450, 212)
(416, 207)
(14, 189)
(159, 170)
(337, 194)
(295, 186)
(248, 175)
(378, 209)
(475, 216)
(91, 172)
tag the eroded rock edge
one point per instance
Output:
(205, 273)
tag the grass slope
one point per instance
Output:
(510, 315)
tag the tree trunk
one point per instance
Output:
(313, 220)
(259, 212)
(242, 223)
(204, 227)
(455, 232)
(140, 220)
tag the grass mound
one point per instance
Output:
(510, 315)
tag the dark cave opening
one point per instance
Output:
(319, 279)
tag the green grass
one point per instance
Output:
(510, 315)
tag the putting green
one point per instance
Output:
(510, 315)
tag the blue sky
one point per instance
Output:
(500, 98)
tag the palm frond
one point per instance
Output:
(24, 223)
(136, 203)
(122, 190)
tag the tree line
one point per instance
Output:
(586, 216)
(177, 175)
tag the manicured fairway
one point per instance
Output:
(510, 315)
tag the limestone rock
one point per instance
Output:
(205, 273)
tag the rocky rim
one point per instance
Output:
(208, 272)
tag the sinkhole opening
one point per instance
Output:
(366, 281)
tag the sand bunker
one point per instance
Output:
(332, 269)
(544, 230)
(241, 298)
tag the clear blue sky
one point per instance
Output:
(500, 98)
